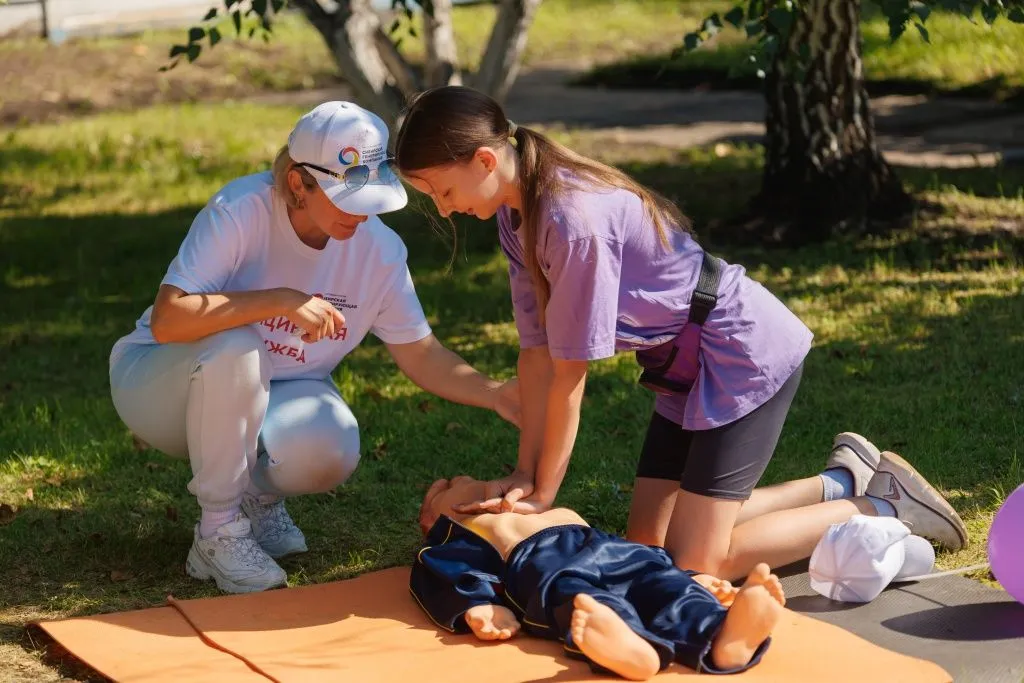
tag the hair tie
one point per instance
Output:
(512, 128)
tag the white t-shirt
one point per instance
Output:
(242, 240)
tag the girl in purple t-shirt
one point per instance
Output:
(599, 264)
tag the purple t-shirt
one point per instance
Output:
(615, 287)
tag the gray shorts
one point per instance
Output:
(724, 462)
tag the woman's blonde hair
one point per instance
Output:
(449, 124)
(284, 163)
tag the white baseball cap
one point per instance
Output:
(855, 561)
(345, 147)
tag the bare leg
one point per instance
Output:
(603, 636)
(750, 620)
(650, 510)
(702, 536)
(784, 496)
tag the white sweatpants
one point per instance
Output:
(212, 401)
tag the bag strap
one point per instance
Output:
(705, 296)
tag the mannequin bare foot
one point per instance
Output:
(603, 636)
(723, 591)
(753, 615)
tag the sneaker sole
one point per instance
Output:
(286, 553)
(200, 570)
(866, 451)
(936, 503)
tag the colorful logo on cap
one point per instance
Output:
(348, 156)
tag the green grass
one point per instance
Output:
(918, 345)
(962, 57)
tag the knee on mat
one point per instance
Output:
(706, 563)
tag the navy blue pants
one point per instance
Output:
(660, 602)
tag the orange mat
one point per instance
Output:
(369, 630)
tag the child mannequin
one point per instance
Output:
(623, 606)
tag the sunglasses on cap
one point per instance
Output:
(356, 177)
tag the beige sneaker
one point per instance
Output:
(856, 454)
(917, 504)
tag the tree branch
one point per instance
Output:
(442, 67)
(500, 63)
(321, 19)
(397, 65)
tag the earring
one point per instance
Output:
(300, 203)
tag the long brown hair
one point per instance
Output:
(449, 124)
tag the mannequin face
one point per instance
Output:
(445, 493)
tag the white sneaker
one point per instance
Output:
(917, 504)
(233, 559)
(272, 526)
(856, 454)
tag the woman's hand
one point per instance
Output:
(317, 318)
(500, 495)
(507, 401)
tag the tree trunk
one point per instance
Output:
(500, 64)
(351, 32)
(824, 174)
(442, 67)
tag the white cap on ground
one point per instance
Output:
(855, 561)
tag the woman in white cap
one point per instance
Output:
(281, 275)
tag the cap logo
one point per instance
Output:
(348, 156)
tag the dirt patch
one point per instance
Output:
(40, 82)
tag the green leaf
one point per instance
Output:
(1016, 15)
(692, 41)
(923, 31)
(735, 16)
(236, 19)
(755, 9)
(260, 7)
(990, 13)
(278, 5)
(211, 14)
(754, 28)
(395, 25)
(897, 25)
(168, 67)
(178, 50)
(214, 34)
(195, 34)
(922, 11)
(193, 51)
(781, 19)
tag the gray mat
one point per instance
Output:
(974, 632)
